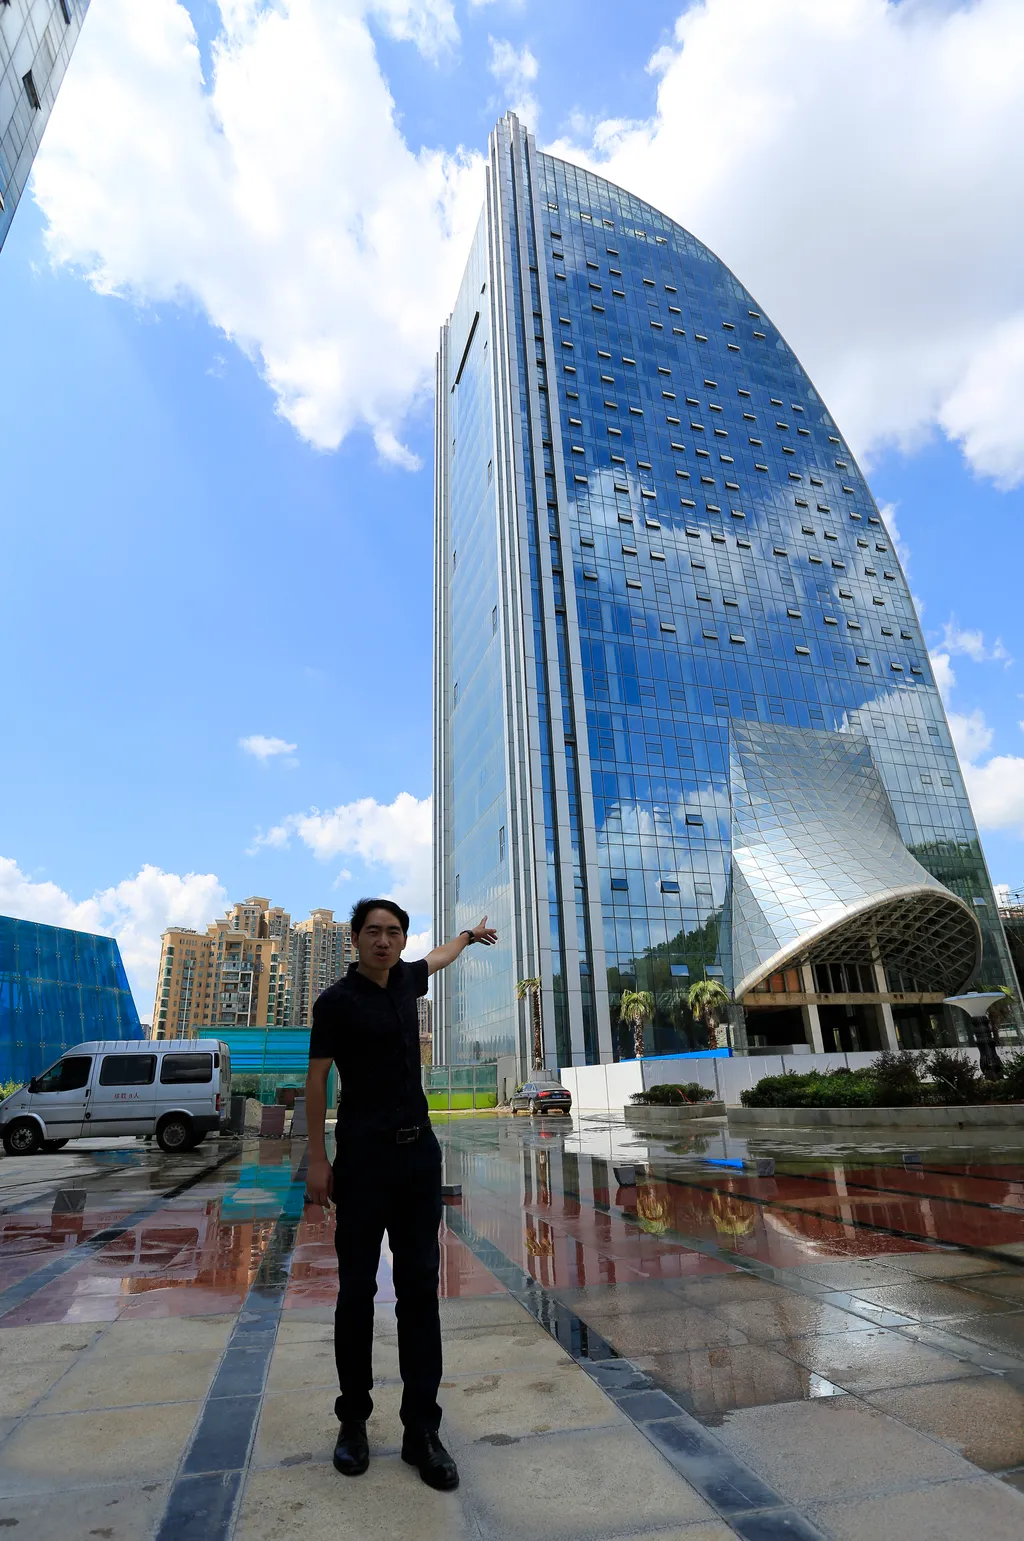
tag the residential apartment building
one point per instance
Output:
(36, 40)
(252, 968)
(319, 952)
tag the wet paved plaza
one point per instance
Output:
(834, 1351)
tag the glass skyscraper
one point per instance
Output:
(685, 723)
(58, 988)
(36, 39)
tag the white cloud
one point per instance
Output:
(971, 644)
(394, 836)
(856, 164)
(135, 911)
(971, 734)
(418, 945)
(945, 679)
(279, 196)
(264, 748)
(888, 513)
(516, 70)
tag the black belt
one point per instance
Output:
(391, 1136)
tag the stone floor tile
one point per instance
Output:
(782, 1315)
(873, 1359)
(856, 1275)
(21, 1385)
(700, 1530)
(525, 1402)
(1004, 1332)
(31, 1345)
(615, 1300)
(726, 1289)
(938, 1265)
(322, 1314)
(984, 1508)
(292, 1331)
(314, 1503)
(114, 1513)
(1004, 1286)
(983, 1418)
(472, 1349)
(128, 1380)
(295, 1365)
(164, 1335)
(713, 1381)
(482, 1311)
(834, 1448)
(570, 1487)
(655, 1332)
(296, 1427)
(929, 1300)
(86, 1449)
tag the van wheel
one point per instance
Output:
(23, 1138)
(174, 1133)
(50, 1146)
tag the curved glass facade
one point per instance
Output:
(652, 545)
(58, 988)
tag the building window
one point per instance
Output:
(620, 885)
(28, 82)
(501, 843)
(494, 620)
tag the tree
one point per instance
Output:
(636, 1007)
(529, 989)
(707, 1000)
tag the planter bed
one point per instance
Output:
(679, 1116)
(985, 1115)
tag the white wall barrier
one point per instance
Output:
(608, 1088)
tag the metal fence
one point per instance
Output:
(451, 1087)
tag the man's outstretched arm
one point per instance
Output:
(441, 956)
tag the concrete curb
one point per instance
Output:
(681, 1117)
(980, 1116)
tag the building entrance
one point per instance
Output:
(850, 1029)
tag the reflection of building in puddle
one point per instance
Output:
(652, 1212)
(207, 1255)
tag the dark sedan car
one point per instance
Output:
(541, 1097)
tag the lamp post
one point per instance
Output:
(977, 1004)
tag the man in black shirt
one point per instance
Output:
(386, 1176)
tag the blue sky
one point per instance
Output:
(209, 537)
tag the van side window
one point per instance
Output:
(128, 1070)
(186, 1069)
(68, 1075)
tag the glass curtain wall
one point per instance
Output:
(680, 539)
(58, 988)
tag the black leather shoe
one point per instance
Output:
(424, 1449)
(352, 1453)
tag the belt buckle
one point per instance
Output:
(406, 1136)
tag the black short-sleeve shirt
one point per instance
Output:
(372, 1035)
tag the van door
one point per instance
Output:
(60, 1096)
(187, 1082)
(123, 1097)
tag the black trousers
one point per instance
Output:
(382, 1186)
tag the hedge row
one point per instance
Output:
(893, 1080)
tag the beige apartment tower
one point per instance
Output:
(252, 968)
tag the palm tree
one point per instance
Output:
(635, 1008)
(707, 1000)
(529, 989)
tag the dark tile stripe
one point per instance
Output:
(744, 1501)
(24, 1289)
(204, 1497)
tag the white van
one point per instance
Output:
(175, 1088)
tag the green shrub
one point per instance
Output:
(897, 1078)
(8, 1088)
(672, 1094)
(955, 1078)
(1011, 1087)
(834, 1089)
